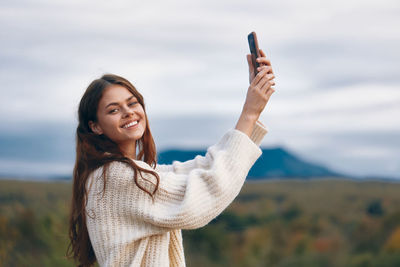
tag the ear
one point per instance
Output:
(95, 127)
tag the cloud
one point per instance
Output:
(362, 100)
(336, 62)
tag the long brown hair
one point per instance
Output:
(94, 151)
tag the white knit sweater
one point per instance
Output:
(128, 228)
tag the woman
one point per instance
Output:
(129, 211)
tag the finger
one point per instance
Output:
(265, 79)
(267, 83)
(248, 56)
(263, 83)
(264, 60)
(250, 62)
(270, 76)
(262, 53)
(269, 93)
(267, 88)
(258, 77)
(269, 69)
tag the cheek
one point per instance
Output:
(144, 124)
(109, 124)
(144, 120)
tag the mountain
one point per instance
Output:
(273, 163)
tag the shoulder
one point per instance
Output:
(121, 168)
(112, 168)
(113, 172)
(118, 169)
(120, 174)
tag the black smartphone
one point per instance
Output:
(254, 50)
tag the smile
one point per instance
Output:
(133, 123)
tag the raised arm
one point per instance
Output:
(258, 94)
(258, 133)
(183, 201)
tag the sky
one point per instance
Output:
(337, 68)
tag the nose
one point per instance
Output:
(127, 112)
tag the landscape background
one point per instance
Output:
(319, 222)
(336, 65)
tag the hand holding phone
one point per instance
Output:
(260, 88)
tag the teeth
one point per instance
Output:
(130, 124)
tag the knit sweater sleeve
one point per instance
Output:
(256, 136)
(190, 194)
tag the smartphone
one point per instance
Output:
(255, 52)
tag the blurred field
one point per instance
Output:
(274, 223)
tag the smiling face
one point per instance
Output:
(121, 118)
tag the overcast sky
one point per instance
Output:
(337, 67)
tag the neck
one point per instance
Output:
(129, 150)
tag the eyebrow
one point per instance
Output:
(116, 104)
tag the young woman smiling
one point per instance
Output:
(127, 210)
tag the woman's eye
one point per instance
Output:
(112, 111)
(132, 103)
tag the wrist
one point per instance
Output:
(246, 123)
(250, 117)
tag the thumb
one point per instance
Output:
(250, 62)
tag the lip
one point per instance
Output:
(134, 126)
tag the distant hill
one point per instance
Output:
(273, 163)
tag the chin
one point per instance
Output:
(137, 137)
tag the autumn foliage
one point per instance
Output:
(274, 223)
